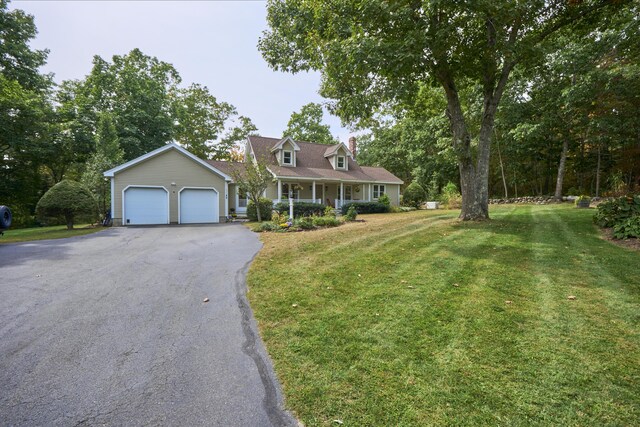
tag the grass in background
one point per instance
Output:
(43, 233)
(418, 319)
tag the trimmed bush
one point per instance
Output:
(266, 205)
(300, 208)
(326, 221)
(68, 199)
(366, 207)
(384, 199)
(414, 195)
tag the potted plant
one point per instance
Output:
(583, 201)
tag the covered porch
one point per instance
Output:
(328, 193)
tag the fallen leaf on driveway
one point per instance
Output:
(205, 300)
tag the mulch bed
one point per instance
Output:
(631, 243)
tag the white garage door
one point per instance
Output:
(146, 206)
(198, 206)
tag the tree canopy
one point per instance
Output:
(306, 125)
(375, 55)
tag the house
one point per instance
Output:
(171, 185)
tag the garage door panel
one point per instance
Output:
(199, 206)
(144, 206)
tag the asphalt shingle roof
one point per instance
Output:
(312, 163)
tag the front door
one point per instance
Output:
(241, 201)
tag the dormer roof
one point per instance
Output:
(280, 144)
(332, 150)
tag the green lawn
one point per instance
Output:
(403, 320)
(42, 233)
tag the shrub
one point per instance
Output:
(451, 197)
(265, 226)
(301, 208)
(326, 221)
(68, 199)
(630, 227)
(351, 214)
(615, 212)
(384, 199)
(266, 205)
(414, 195)
(305, 223)
(330, 211)
(366, 207)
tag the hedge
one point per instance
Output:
(366, 207)
(300, 208)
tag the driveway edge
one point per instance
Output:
(253, 347)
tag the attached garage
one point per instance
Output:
(146, 205)
(168, 186)
(198, 206)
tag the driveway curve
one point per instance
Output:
(112, 329)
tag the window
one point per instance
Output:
(290, 190)
(287, 158)
(378, 190)
(340, 162)
(347, 192)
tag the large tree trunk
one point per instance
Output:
(471, 199)
(561, 169)
(474, 179)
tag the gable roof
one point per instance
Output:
(165, 148)
(333, 150)
(311, 163)
(280, 143)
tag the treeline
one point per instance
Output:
(79, 128)
(568, 126)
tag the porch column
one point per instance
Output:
(226, 199)
(341, 193)
(279, 190)
(313, 192)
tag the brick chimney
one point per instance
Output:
(352, 146)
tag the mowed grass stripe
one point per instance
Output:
(393, 342)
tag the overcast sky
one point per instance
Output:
(209, 42)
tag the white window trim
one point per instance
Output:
(380, 189)
(284, 162)
(344, 162)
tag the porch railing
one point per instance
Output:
(297, 200)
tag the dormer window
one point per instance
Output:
(341, 162)
(287, 158)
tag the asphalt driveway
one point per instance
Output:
(111, 329)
